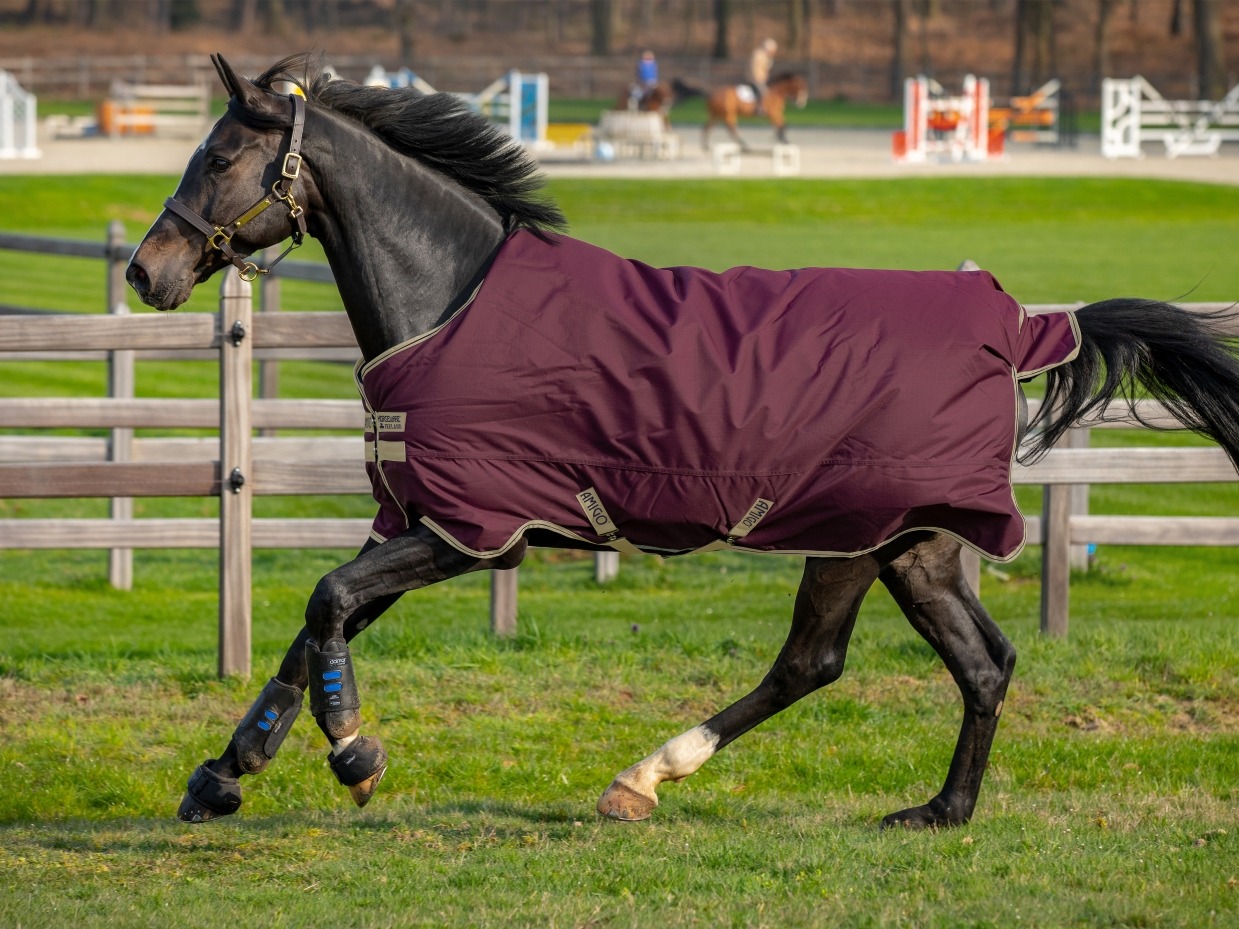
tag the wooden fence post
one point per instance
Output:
(606, 566)
(1079, 438)
(236, 376)
(268, 302)
(503, 587)
(120, 386)
(1055, 558)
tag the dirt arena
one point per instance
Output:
(824, 153)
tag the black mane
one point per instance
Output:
(437, 129)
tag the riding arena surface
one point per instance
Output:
(824, 153)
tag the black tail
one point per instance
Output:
(684, 89)
(1130, 346)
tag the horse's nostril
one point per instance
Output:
(136, 275)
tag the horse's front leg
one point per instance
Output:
(344, 602)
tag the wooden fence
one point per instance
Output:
(248, 459)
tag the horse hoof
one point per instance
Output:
(362, 792)
(209, 796)
(623, 803)
(360, 767)
(922, 817)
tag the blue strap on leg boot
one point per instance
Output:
(333, 688)
(336, 707)
(209, 795)
(261, 733)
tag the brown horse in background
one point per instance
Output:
(656, 99)
(725, 105)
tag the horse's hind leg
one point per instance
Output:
(928, 584)
(827, 603)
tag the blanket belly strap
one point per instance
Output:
(756, 513)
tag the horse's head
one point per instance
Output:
(241, 192)
(792, 87)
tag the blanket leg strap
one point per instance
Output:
(262, 731)
(209, 795)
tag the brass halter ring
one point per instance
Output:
(220, 237)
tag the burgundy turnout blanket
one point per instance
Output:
(819, 410)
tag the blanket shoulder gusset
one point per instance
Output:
(848, 406)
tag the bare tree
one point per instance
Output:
(276, 17)
(159, 15)
(899, 47)
(1210, 46)
(406, 31)
(1105, 11)
(601, 19)
(1034, 45)
(241, 16)
(796, 24)
(722, 43)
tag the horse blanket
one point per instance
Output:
(819, 411)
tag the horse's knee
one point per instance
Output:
(327, 608)
(791, 679)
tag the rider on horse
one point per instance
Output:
(647, 79)
(760, 64)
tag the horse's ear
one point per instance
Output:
(236, 85)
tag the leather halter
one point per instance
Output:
(220, 237)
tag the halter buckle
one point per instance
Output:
(292, 166)
(219, 236)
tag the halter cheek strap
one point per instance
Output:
(220, 237)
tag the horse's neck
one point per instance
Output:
(402, 240)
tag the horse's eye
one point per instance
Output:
(219, 165)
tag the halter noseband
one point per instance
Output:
(220, 237)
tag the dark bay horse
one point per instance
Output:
(726, 105)
(656, 99)
(412, 198)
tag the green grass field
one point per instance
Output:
(1111, 797)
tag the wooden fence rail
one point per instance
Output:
(240, 465)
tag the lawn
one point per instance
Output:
(1111, 797)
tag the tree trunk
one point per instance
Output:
(722, 45)
(600, 14)
(1034, 45)
(899, 48)
(1101, 68)
(276, 18)
(241, 18)
(159, 15)
(406, 31)
(1210, 46)
(795, 25)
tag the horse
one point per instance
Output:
(658, 98)
(726, 104)
(438, 237)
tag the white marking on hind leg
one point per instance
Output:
(339, 745)
(674, 761)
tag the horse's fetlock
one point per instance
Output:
(333, 688)
(261, 732)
